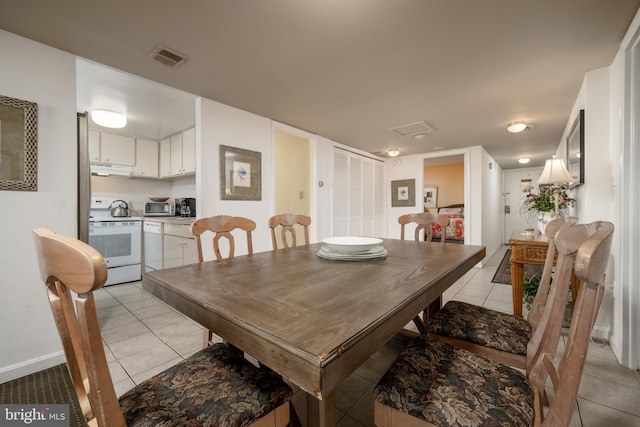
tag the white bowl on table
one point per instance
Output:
(352, 243)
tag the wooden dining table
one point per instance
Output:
(313, 320)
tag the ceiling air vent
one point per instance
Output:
(167, 56)
(412, 129)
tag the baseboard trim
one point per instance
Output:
(27, 367)
(600, 333)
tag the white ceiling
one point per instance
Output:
(345, 69)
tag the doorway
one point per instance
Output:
(514, 181)
(292, 176)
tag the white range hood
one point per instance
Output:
(105, 169)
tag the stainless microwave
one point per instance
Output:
(159, 209)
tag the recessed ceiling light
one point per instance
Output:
(524, 160)
(394, 152)
(419, 137)
(438, 148)
(109, 119)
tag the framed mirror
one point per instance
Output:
(18, 144)
(575, 150)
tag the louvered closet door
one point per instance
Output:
(358, 195)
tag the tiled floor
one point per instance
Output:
(143, 336)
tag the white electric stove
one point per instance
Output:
(118, 239)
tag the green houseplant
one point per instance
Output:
(530, 288)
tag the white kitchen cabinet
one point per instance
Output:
(146, 158)
(189, 150)
(117, 149)
(179, 246)
(176, 155)
(182, 153)
(94, 146)
(165, 158)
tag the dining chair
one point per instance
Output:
(221, 226)
(434, 383)
(499, 336)
(424, 221)
(287, 223)
(215, 386)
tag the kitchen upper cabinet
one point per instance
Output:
(146, 158)
(178, 154)
(165, 158)
(117, 149)
(189, 150)
(94, 146)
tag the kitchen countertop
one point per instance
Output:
(170, 219)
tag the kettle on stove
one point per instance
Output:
(121, 210)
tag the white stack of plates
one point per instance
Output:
(352, 248)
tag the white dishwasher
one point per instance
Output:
(152, 245)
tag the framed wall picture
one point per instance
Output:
(430, 197)
(240, 174)
(403, 193)
(575, 150)
(18, 144)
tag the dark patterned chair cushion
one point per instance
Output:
(448, 386)
(215, 387)
(482, 326)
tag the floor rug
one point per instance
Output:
(49, 386)
(503, 272)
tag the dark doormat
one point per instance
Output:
(50, 386)
(503, 273)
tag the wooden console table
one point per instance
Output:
(528, 249)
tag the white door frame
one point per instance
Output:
(628, 300)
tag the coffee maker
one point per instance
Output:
(186, 207)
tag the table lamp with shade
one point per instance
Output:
(555, 173)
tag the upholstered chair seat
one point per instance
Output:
(482, 326)
(448, 386)
(216, 387)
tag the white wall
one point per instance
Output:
(491, 200)
(36, 73)
(218, 124)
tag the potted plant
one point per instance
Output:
(539, 204)
(530, 288)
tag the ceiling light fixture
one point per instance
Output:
(515, 127)
(394, 152)
(419, 137)
(109, 119)
(524, 160)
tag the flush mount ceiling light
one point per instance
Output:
(394, 152)
(109, 119)
(524, 160)
(516, 127)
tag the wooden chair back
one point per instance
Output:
(591, 260)
(537, 306)
(67, 264)
(424, 221)
(221, 226)
(287, 222)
